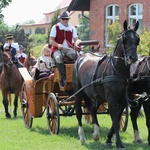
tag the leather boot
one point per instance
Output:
(62, 71)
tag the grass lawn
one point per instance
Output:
(15, 136)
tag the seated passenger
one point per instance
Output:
(21, 56)
(43, 66)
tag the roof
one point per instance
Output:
(79, 5)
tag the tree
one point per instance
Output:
(3, 4)
(4, 29)
(113, 31)
(144, 45)
(53, 22)
(83, 29)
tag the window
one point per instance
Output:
(47, 18)
(135, 14)
(112, 15)
(30, 31)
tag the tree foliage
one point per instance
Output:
(113, 31)
(144, 45)
(53, 22)
(18, 34)
(83, 29)
(3, 4)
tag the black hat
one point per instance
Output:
(64, 15)
(9, 36)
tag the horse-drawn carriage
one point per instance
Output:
(96, 80)
(46, 95)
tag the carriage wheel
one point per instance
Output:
(52, 112)
(28, 119)
(124, 119)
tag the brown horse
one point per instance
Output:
(29, 61)
(99, 80)
(10, 81)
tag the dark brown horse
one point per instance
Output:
(105, 80)
(29, 61)
(139, 91)
(10, 81)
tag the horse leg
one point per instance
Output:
(15, 105)
(134, 114)
(115, 113)
(146, 106)
(5, 103)
(96, 134)
(78, 103)
(93, 109)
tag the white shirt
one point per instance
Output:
(62, 27)
(14, 45)
(21, 54)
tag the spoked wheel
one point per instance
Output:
(52, 112)
(124, 119)
(28, 120)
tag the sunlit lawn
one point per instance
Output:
(15, 136)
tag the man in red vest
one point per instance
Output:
(63, 37)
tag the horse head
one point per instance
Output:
(129, 40)
(30, 61)
(7, 59)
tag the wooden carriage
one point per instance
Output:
(46, 94)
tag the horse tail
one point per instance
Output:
(76, 83)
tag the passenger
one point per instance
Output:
(44, 64)
(62, 38)
(21, 56)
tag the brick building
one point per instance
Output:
(103, 13)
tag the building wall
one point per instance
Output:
(97, 16)
(74, 20)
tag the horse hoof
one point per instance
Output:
(8, 116)
(15, 116)
(121, 148)
(95, 138)
(139, 141)
(108, 144)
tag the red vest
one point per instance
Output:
(21, 59)
(60, 36)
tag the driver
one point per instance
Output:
(62, 38)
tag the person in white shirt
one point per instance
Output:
(21, 56)
(14, 48)
(44, 64)
(63, 37)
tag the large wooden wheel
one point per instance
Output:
(52, 113)
(27, 117)
(124, 119)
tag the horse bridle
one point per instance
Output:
(123, 45)
(8, 64)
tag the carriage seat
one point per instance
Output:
(68, 60)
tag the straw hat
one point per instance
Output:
(9, 36)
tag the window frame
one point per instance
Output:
(113, 18)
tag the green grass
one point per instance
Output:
(15, 136)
